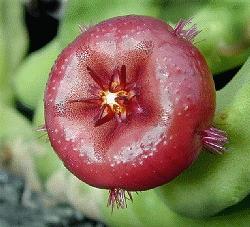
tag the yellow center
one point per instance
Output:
(110, 98)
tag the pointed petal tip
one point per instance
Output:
(95, 77)
(105, 115)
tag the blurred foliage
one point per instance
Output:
(31, 76)
(13, 43)
(224, 37)
(148, 210)
(13, 124)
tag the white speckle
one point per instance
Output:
(107, 46)
(139, 109)
(179, 113)
(144, 147)
(164, 142)
(162, 73)
(59, 141)
(89, 152)
(84, 55)
(186, 108)
(144, 156)
(53, 88)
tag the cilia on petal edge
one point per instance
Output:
(154, 107)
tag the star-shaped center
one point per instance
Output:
(117, 99)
